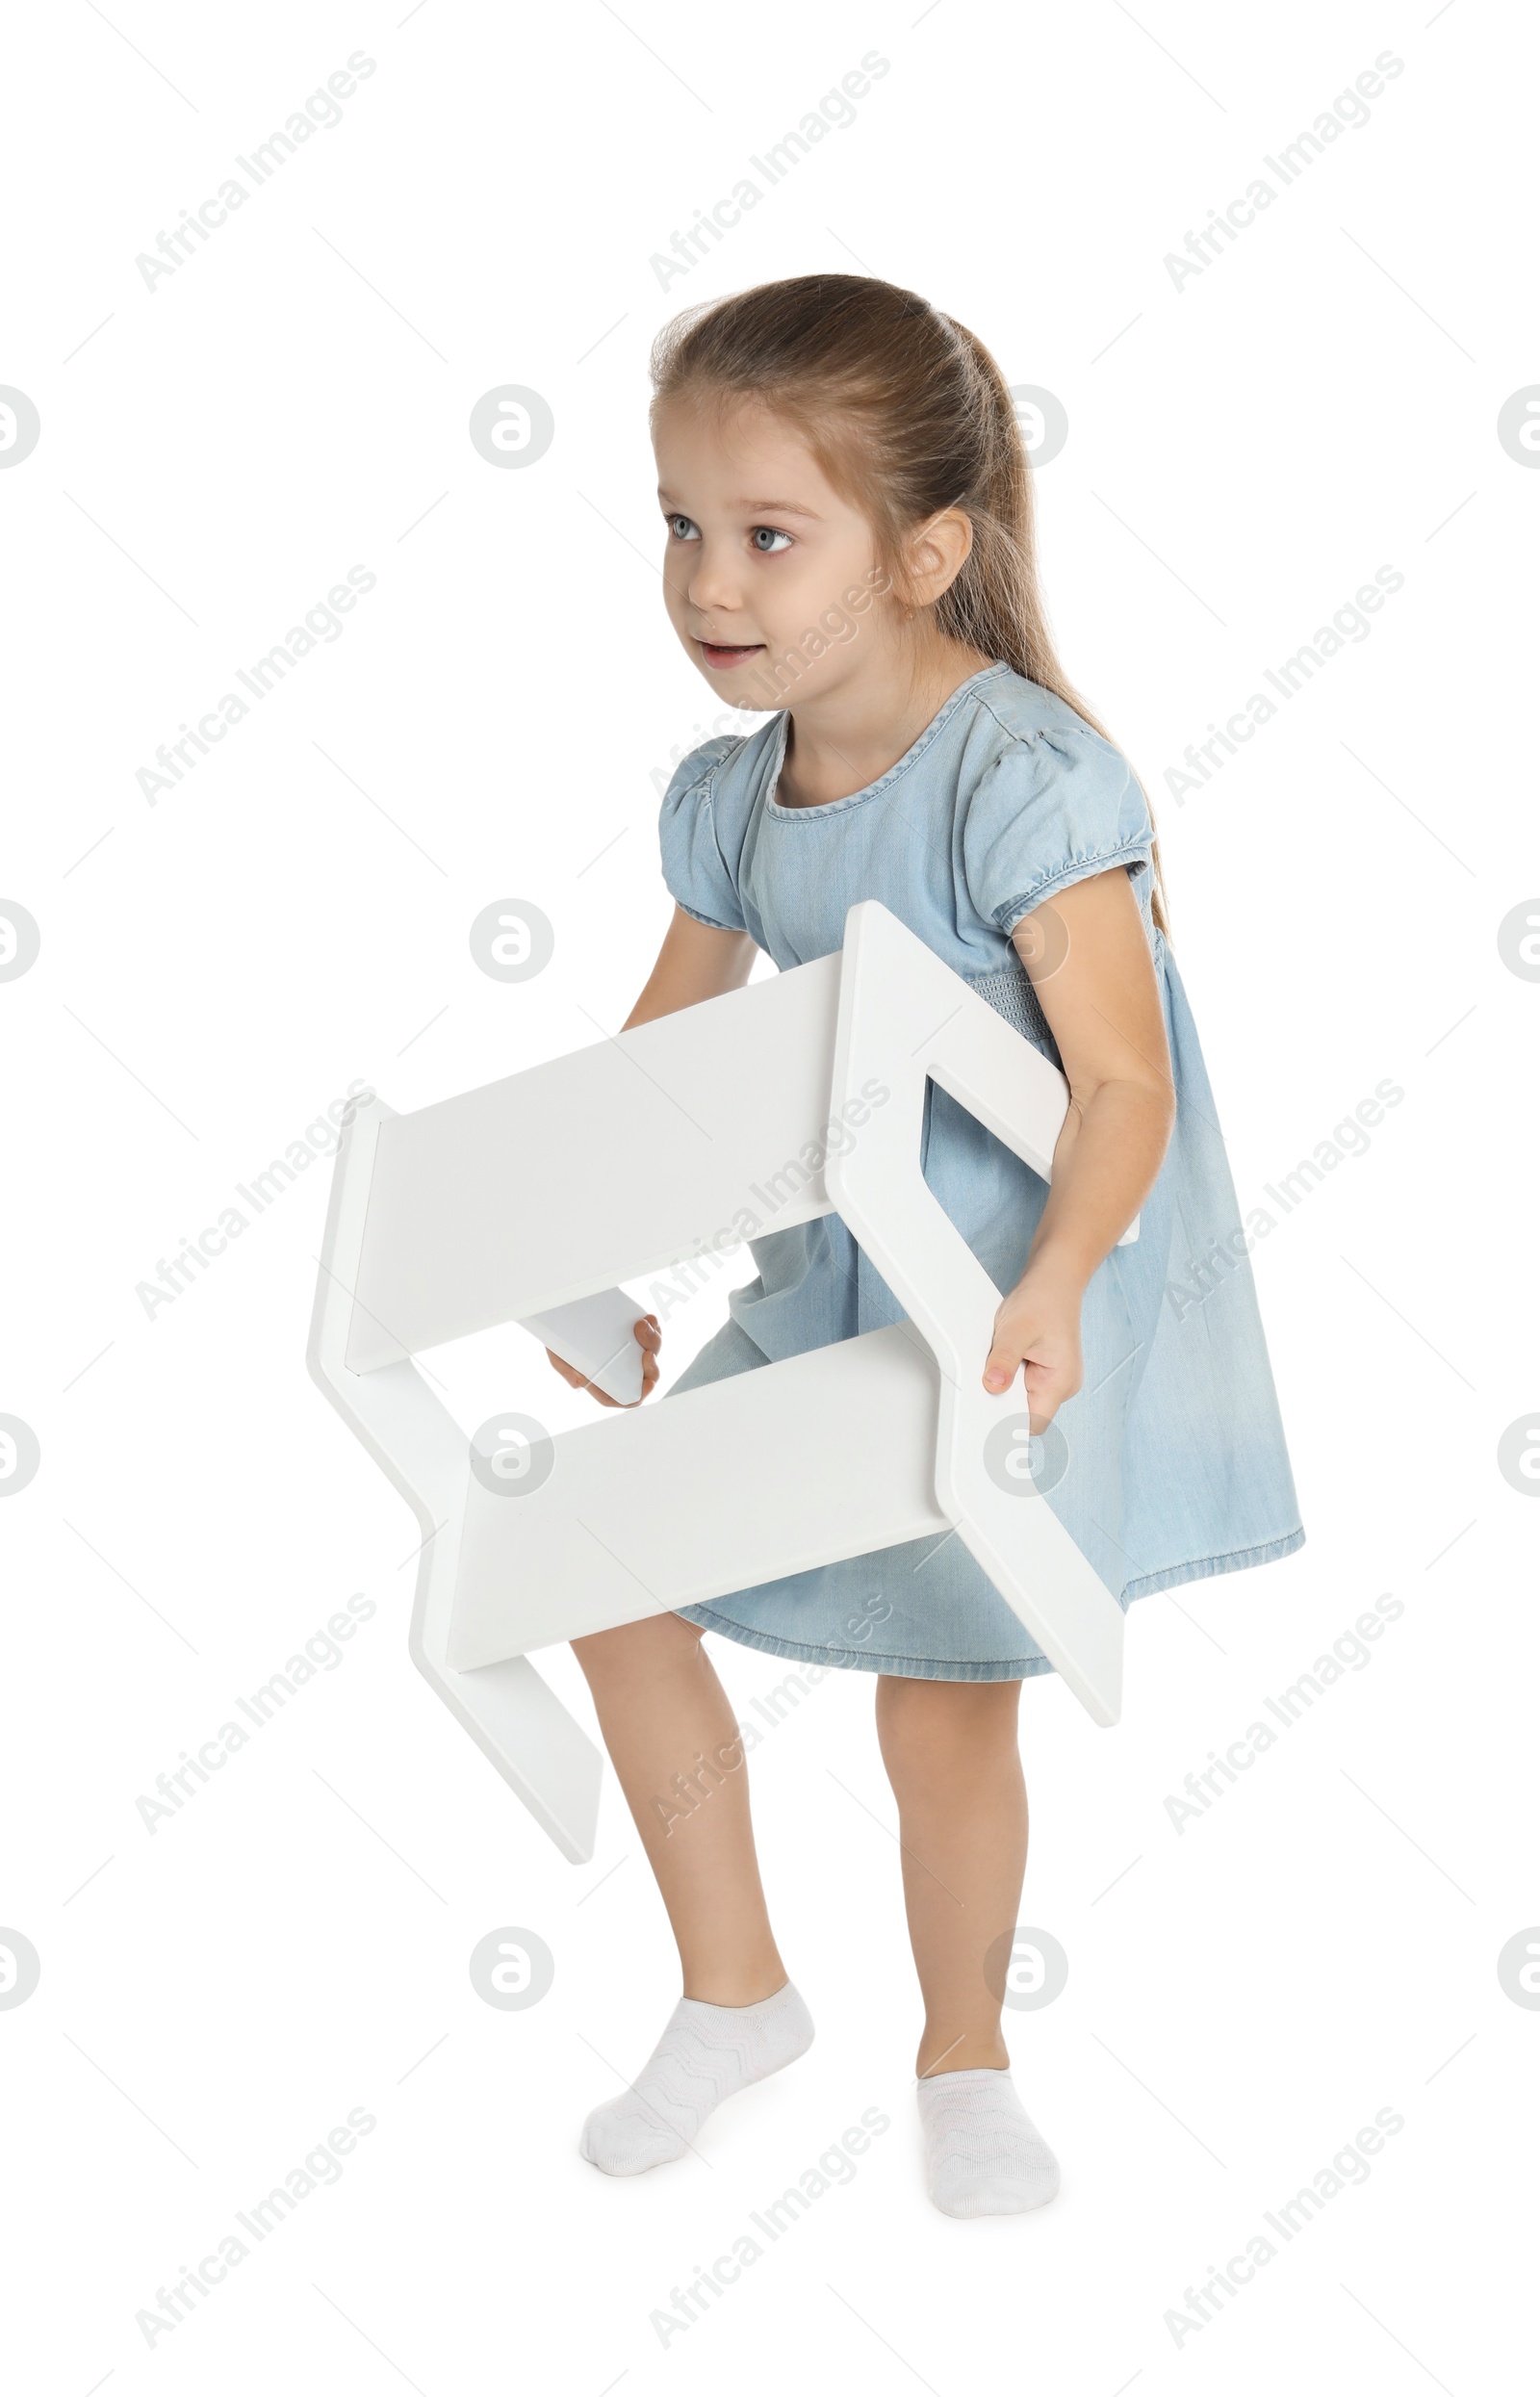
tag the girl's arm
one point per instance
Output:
(696, 961)
(1094, 978)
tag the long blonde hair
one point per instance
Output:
(908, 414)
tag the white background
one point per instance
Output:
(1243, 454)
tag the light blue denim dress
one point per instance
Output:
(1177, 1466)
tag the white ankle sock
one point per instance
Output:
(706, 2054)
(981, 2154)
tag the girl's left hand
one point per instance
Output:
(1037, 1327)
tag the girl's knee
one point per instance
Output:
(929, 1718)
(964, 1700)
(628, 1647)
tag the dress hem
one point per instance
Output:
(1205, 1568)
(904, 1668)
(965, 1670)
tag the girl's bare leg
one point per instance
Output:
(666, 1714)
(674, 1742)
(950, 1749)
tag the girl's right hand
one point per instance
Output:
(648, 1339)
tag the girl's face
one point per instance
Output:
(770, 577)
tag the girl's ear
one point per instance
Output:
(935, 555)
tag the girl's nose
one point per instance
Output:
(713, 584)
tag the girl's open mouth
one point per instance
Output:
(720, 655)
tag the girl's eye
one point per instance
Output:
(768, 541)
(682, 527)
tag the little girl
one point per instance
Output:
(848, 518)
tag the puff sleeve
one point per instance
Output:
(1054, 807)
(695, 869)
